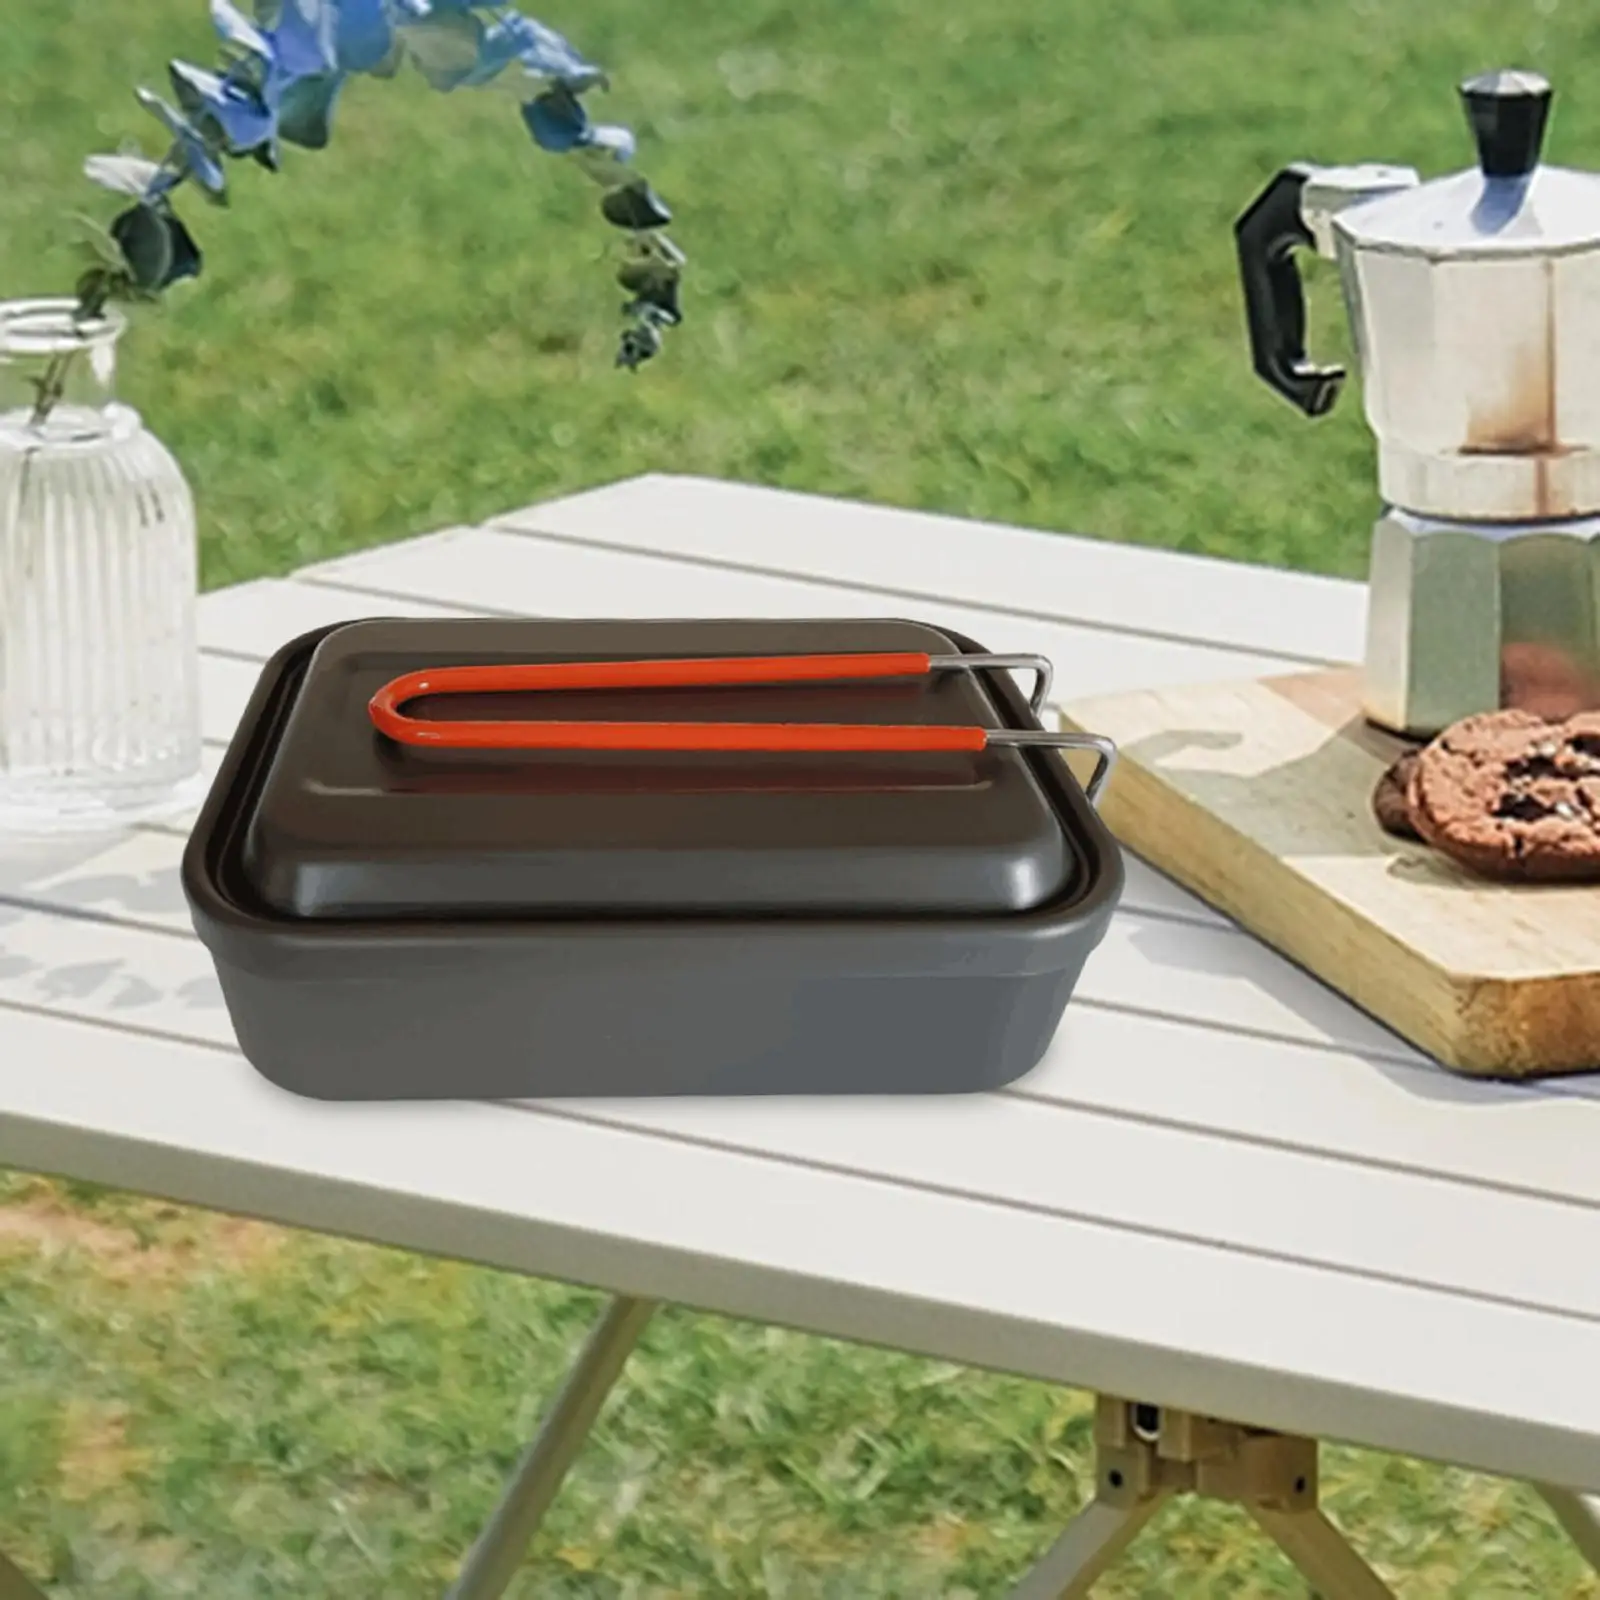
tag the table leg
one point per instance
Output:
(1322, 1555)
(1145, 1455)
(16, 1585)
(493, 1560)
(1579, 1515)
(1093, 1542)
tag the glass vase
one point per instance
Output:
(99, 661)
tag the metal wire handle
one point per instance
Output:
(1105, 750)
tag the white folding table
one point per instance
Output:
(1240, 1211)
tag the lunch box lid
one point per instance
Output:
(343, 823)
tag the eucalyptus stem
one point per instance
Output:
(50, 389)
(284, 64)
(94, 291)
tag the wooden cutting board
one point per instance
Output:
(1256, 796)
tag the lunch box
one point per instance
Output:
(492, 858)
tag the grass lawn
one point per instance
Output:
(969, 257)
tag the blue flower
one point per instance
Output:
(305, 109)
(229, 113)
(545, 54)
(557, 121)
(191, 155)
(447, 46)
(298, 67)
(238, 31)
(248, 55)
(455, 49)
(502, 43)
(364, 39)
(302, 41)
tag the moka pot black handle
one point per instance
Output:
(1268, 233)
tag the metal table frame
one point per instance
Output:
(1144, 1457)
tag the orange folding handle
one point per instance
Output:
(386, 708)
(388, 716)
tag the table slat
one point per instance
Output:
(513, 575)
(1301, 616)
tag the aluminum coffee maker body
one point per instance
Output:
(1474, 308)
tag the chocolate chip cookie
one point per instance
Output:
(1512, 796)
(1391, 801)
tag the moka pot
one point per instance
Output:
(1474, 307)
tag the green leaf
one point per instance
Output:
(305, 114)
(146, 245)
(97, 241)
(444, 45)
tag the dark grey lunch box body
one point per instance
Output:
(423, 965)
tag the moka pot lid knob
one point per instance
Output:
(1508, 111)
